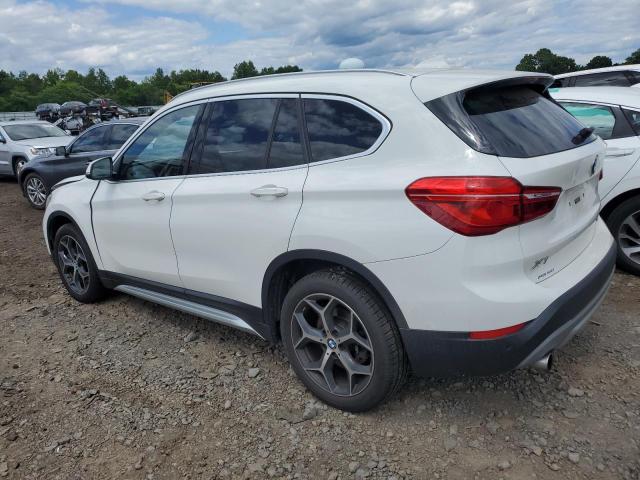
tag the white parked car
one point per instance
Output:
(614, 114)
(370, 220)
(23, 140)
(618, 76)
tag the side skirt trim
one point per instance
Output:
(187, 306)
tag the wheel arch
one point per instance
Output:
(288, 267)
(14, 159)
(54, 222)
(617, 201)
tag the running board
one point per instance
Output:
(187, 306)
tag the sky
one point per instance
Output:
(134, 37)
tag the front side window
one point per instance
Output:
(120, 133)
(612, 79)
(161, 149)
(598, 117)
(337, 128)
(91, 141)
(237, 135)
(634, 119)
(28, 131)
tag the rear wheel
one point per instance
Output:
(36, 191)
(76, 266)
(624, 223)
(341, 341)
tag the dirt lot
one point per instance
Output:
(125, 389)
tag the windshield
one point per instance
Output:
(27, 131)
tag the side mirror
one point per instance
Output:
(68, 132)
(100, 169)
(61, 152)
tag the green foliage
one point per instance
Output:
(599, 61)
(633, 58)
(545, 61)
(25, 91)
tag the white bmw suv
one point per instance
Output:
(373, 221)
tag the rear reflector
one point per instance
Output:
(474, 206)
(500, 332)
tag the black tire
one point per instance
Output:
(33, 181)
(94, 290)
(388, 362)
(615, 222)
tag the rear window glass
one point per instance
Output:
(513, 121)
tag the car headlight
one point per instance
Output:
(42, 150)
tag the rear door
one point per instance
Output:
(609, 123)
(235, 211)
(541, 145)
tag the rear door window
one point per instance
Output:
(286, 141)
(237, 136)
(338, 129)
(634, 119)
(510, 121)
(598, 117)
(612, 79)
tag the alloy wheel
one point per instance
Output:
(332, 344)
(629, 237)
(73, 264)
(36, 191)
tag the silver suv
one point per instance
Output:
(21, 141)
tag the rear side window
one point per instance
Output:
(634, 77)
(119, 135)
(511, 121)
(237, 136)
(286, 143)
(338, 129)
(611, 79)
(598, 117)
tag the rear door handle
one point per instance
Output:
(153, 195)
(618, 152)
(269, 191)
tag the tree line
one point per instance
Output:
(545, 61)
(24, 91)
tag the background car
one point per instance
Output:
(618, 76)
(21, 141)
(72, 108)
(102, 140)
(614, 114)
(48, 111)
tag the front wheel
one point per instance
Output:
(341, 341)
(624, 224)
(76, 266)
(36, 191)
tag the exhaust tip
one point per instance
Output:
(544, 364)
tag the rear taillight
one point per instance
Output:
(474, 206)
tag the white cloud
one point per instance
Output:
(36, 35)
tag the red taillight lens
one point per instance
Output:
(474, 206)
(500, 332)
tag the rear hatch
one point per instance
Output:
(540, 145)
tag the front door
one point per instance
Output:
(131, 213)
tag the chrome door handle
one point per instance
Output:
(153, 195)
(269, 191)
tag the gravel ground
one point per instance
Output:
(126, 389)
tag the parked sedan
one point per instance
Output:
(102, 140)
(614, 115)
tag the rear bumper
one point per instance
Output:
(442, 354)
